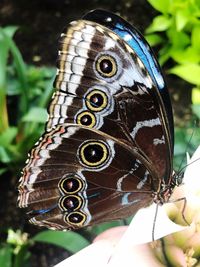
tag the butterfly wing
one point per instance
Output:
(69, 178)
(107, 109)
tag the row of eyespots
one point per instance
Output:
(71, 202)
(94, 154)
(97, 100)
(91, 153)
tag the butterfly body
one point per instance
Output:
(108, 143)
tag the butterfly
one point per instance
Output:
(108, 144)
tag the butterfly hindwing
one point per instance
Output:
(75, 170)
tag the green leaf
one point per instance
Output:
(22, 257)
(36, 114)
(70, 241)
(20, 68)
(3, 170)
(6, 45)
(10, 30)
(4, 48)
(181, 19)
(196, 110)
(162, 5)
(8, 136)
(5, 32)
(164, 54)
(188, 72)
(159, 24)
(195, 38)
(188, 55)
(178, 39)
(98, 229)
(154, 39)
(196, 96)
(5, 156)
(6, 256)
(21, 71)
(6, 35)
(180, 141)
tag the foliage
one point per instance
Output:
(24, 93)
(70, 241)
(179, 24)
(177, 31)
(187, 139)
(15, 251)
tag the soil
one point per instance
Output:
(41, 22)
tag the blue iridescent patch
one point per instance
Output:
(133, 38)
(142, 51)
(41, 211)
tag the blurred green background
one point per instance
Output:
(29, 32)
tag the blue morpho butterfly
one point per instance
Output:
(108, 146)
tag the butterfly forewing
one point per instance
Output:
(127, 95)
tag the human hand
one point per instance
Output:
(124, 244)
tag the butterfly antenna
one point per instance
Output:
(188, 164)
(180, 168)
(154, 222)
